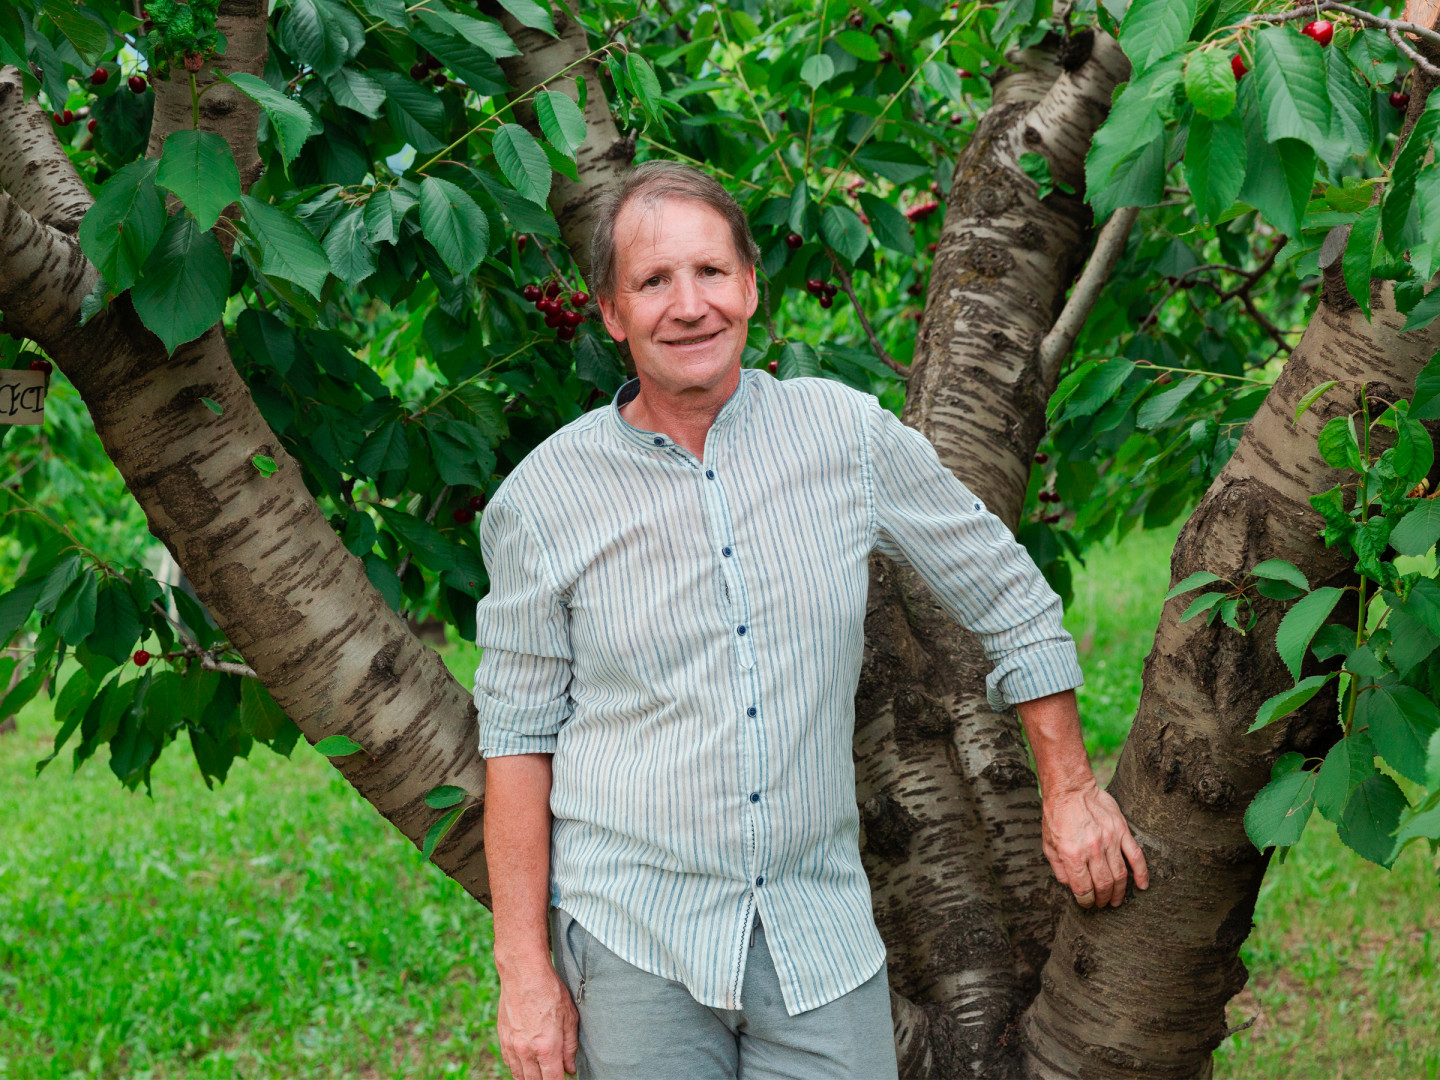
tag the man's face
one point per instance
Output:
(683, 297)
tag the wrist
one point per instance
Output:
(519, 958)
(1073, 782)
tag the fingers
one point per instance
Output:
(571, 1039)
(1081, 885)
(1116, 863)
(1131, 848)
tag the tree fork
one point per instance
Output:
(1140, 991)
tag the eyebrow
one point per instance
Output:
(646, 272)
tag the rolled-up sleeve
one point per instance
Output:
(523, 679)
(927, 519)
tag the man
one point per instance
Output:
(672, 644)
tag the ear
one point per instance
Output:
(611, 317)
(752, 294)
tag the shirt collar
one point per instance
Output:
(732, 408)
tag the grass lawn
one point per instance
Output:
(277, 929)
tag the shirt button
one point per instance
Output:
(754, 796)
(740, 630)
(760, 880)
(750, 711)
(725, 552)
(659, 441)
(710, 474)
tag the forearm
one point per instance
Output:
(517, 854)
(1052, 724)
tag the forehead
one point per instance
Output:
(670, 229)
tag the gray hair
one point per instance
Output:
(652, 181)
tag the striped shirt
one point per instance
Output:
(685, 637)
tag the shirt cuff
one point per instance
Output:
(508, 743)
(507, 729)
(1033, 673)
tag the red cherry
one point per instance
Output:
(915, 288)
(886, 56)
(463, 516)
(1399, 100)
(579, 299)
(774, 367)
(59, 118)
(814, 286)
(552, 319)
(1041, 458)
(477, 502)
(920, 211)
(433, 62)
(141, 657)
(571, 318)
(42, 365)
(1237, 65)
(830, 290)
(440, 78)
(136, 83)
(826, 302)
(1321, 30)
(932, 247)
(67, 118)
(419, 72)
(531, 292)
(552, 289)
(91, 125)
(794, 240)
(521, 241)
(99, 77)
(565, 333)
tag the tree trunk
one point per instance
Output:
(1140, 990)
(963, 895)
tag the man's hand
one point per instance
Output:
(537, 1023)
(1088, 842)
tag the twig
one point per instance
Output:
(225, 667)
(1242, 292)
(1393, 28)
(429, 520)
(1109, 246)
(849, 289)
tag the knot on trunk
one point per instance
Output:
(1214, 791)
(888, 827)
(988, 259)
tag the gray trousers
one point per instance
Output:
(638, 1026)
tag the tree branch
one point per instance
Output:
(33, 166)
(43, 275)
(848, 287)
(1109, 246)
(1394, 28)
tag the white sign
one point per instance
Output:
(22, 396)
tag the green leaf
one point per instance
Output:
(1278, 815)
(529, 13)
(414, 112)
(81, 29)
(486, 35)
(1278, 176)
(260, 717)
(641, 77)
(1418, 530)
(386, 449)
(15, 608)
(1432, 770)
(1403, 177)
(1097, 388)
(1131, 131)
(1286, 702)
(1401, 721)
(895, 161)
(117, 624)
(462, 454)
(1210, 83)
(437, 832)
(1037, 168)
(561, 120)
(450, 219)
(384, 580)
(817, 70)
(314, 33)
(945, 79)
(339, 746)
(1290, 79)
(1280, 570)
(75, 610)
(445, 796)
(347, 245)
(798, 360)
(198, 168)
(859, 45)
(291, 123)
(124, 223)
(286, 248)
(1313, 395)
(1338, 445)
(1162, 406)
(1292, 636)
(357, 91)
(1194, 581)
(1153, 29)
(1349, 764)
(844, 232)
(213, 405)
(1201, 604)
(890, 225)
(1215, 163)
(1359, 255)
(523, 162)
(1371, 817)
(265, 466)
(183, 286)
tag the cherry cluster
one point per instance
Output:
(1322, 32)
(822, 291)
(548, 302)
(1046, 495)
(464, 515)
(421, 69)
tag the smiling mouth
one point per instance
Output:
(694, 340)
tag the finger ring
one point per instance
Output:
(1086, 899)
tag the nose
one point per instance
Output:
(687, 303)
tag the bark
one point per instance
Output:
(604, 158)
(963, 895)
(37, 179)
(1141, 990)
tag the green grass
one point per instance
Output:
(277, 929)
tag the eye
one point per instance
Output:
(710, 271)
(652, 281)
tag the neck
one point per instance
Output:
(686, 416)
